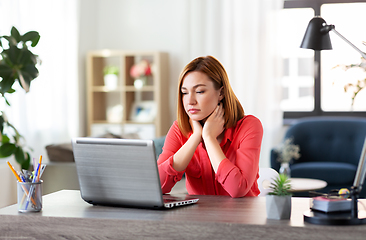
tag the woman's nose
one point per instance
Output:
(192, 99)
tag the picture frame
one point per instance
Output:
(143, 111)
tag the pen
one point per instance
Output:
(35, 178)
(38, 168)
(42, 170)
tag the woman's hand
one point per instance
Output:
(196, 128)
(214, 124)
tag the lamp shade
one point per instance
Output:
(315, 38)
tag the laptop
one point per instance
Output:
(121, 172)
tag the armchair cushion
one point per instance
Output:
(332, 173)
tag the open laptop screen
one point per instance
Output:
(118, 172)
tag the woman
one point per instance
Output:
(212, 141)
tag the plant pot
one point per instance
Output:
(278, 207)
(110, 81)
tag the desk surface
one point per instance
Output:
(210, 214)
(250, 210)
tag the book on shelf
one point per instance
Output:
(331, 204)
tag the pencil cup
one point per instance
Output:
(30, 196)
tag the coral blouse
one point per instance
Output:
(237, 174)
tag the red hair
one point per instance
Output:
(217, 74)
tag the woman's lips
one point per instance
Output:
(193, 110)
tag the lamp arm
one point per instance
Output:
(328, 28)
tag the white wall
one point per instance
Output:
(8, 184)
(138, 25)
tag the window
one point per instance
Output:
(314, 82)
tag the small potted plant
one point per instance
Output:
(278, 202)
(111, 77)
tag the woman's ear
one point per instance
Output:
(221, 96)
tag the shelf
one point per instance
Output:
(122, 103)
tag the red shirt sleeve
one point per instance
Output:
(168, 175)
(238, 176)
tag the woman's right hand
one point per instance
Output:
(196, 128)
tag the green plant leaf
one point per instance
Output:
(7, 149)
(13, 54)
(32, 36)
(26, 163)
(5, 71)
(11, 40)
(5, 139)
(15, 34)
(19, 155)
(281, 186)
(2, 121)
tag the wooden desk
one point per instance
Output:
(66, 215)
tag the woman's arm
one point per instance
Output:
(184, 155)
(177, 154)
(238, 176)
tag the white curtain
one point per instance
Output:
(48, 113)
(242, 35)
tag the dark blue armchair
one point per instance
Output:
(330, 149)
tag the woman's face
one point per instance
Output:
(199, 96)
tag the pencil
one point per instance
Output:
(15, 173)
(20, 180)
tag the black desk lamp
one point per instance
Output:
(317, 38)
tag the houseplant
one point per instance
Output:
(111, 77)
(287, 152)
(278, 202)
(17, 63)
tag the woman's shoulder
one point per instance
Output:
(248, 121)
(248, 124)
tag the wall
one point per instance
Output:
(138, 25)
(8, 184)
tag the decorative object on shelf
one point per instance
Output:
(355, 88)
(111, 77)
(114, 113)
(278, 202)
(286, 153)
(143, 111)
(140, 71)
(17, 63)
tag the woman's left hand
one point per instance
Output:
(214, 124)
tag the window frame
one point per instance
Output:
(289, 115)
